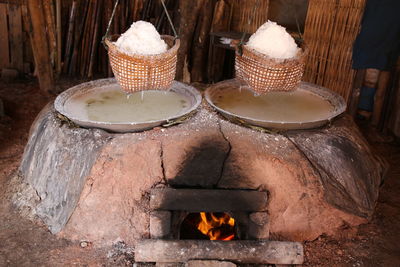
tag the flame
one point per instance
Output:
(211, 224)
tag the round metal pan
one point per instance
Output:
(63, 105)
(337, 102)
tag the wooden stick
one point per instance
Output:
(355, 94)
(4, 42)
(383, 82)
(201, 43)
(95, 39)
(50, 25)
(40, 47)
(78, 33)
(15, 36)
(59, 36)
(70, 34)
(88, 40)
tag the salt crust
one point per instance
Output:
(141, 38)
(272, 40)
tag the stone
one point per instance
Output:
(259, 218)
(201, 263)
(347, 167)
(258, 227)
(241, 251)
(160, 224)
(56, 163)
(198, 200)
(87, 184)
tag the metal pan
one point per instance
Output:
(63, 105)
(337, 102)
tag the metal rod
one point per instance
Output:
(109, 22)
(169, 19)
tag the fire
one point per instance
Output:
(215, 226)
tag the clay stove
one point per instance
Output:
(170, 208)
(89, 184)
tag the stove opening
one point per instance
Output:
(209, 226)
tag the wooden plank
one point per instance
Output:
(197, 200)
(15, 35)
(4, 48)
(383, 83)
(51, 29)
(241, 251)
(40, 47)
(355, 93)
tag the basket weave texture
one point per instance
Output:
(264, 74)
(144, 72)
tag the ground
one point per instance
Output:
(23, 243)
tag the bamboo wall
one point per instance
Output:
(15, 49)
(330, 30)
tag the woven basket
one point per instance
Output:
(264, 74)
(144, 72)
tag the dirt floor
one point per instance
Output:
(23, 243)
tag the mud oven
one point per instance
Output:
(258, 193)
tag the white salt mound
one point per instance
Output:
(272, 40)
(141, 38)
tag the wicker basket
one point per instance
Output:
(264, 74)
(144, 72)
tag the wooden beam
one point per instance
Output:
(197, 200)
(383, 83)
(15, 35)
(4, 47)
(352, 106)
(242, 251)
(40, 46)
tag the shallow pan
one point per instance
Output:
(219, 89)
(64, 105)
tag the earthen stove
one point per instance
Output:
(88, 184)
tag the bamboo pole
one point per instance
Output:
(40, 47)
(78, 33)
(95, 39)
(70, 34)
(59, 36)
(50, 26)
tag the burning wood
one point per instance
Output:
(217, 226)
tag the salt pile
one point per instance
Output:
(141, 38)
(272, 40)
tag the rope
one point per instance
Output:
(109, 24)
(112, 17)
(169, 19)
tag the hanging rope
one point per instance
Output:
(112, 18)
(109, 24)
(169, 19)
